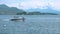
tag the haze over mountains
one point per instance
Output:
(9, 10)
(48, 9)
(13, 10)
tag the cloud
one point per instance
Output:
(33, 4)
(54, 4)
(13, 5)
(27, 4)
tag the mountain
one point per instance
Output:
(9, 10)
(48, 10)
(5, 10)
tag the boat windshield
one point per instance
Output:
(16, 17)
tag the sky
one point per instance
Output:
(28, 4)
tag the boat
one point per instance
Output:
(16, 18)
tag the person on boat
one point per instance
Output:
(16, 17)
(23, 19)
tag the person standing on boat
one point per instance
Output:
(23, 19)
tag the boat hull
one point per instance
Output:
(17, 19)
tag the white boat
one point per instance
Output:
(15, 18)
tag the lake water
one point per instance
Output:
(33, 24)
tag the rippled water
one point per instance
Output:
(33, 24)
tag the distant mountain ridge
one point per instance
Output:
(5, 10)
(48, 10)
(9, 10)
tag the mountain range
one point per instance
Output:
(9, 10)
(4, 9)
(48, 10)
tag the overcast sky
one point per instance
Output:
(27, 4)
